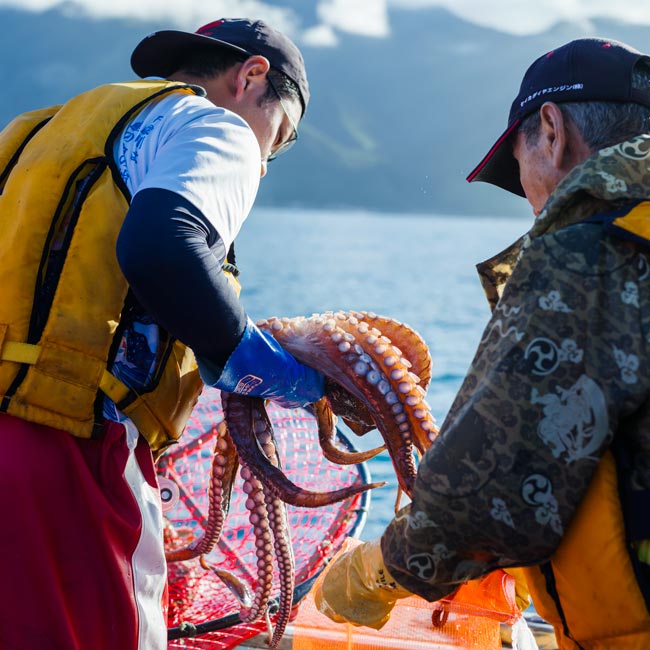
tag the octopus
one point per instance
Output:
(377, 371)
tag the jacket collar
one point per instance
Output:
(610, 178)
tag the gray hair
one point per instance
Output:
(602, 124)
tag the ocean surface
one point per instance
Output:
(417, 269)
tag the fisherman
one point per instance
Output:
(118, 214)
(543, 461)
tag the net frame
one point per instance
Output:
(194, 619)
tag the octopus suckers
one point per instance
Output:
(373, 377)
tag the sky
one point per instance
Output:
(367, 17)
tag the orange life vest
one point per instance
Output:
(62, 205)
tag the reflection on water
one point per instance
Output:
(417, 269)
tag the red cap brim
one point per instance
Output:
(499, 167)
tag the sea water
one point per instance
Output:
(418, 269)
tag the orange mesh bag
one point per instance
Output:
(203, 613)
(492, 596)
(469, 620)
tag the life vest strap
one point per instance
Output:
(629, 222)
(29, 353)
(113, 388)
(20, 352)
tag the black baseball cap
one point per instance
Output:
(584, 70)
(161, 53)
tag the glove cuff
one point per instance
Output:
(259, 366)
(252, 349)
(357, 587)
(377, 574)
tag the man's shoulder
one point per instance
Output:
(182, 117)
(588, 247)
(178, 110)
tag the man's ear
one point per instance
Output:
(566, 145)
(553, 134)
(251, 75)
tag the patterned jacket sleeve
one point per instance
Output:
(562, 362)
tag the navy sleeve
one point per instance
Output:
(172, 259)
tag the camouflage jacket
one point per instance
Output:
(562, 369)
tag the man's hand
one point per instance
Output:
(358, 589)
(522, 595)
(260, 367)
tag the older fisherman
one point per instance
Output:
(543, 461)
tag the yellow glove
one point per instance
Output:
(522, 595)
(357, 588)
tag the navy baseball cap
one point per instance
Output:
(584, 70)
(162, 53)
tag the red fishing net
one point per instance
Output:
(200, 604)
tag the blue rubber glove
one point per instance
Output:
(260, 367)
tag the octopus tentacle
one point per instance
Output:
(224, 467)
(327, 433)
(288, 491)
(277, 516)
(406, 339)
(239, 412)
(402, 386)
(416, 354)
(238, 587)
(256, 505)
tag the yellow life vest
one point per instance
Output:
(594, 590)
(62, 205)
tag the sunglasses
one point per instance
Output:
(285, 146)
